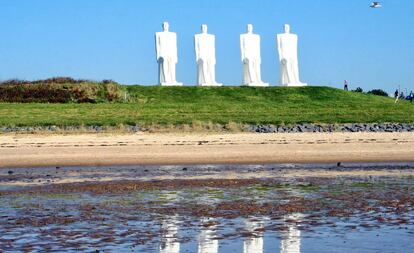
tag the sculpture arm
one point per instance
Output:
(242, 49)
(279, 47)
(259, 53)
(213, 53)
(175, 53)
(157, 47)
(197, 48)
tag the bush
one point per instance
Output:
(359, 90)
(59, 90)
(378, 92)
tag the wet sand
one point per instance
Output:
(311, 214)
(198, 148)
(17, 178)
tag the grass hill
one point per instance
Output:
(154, 105)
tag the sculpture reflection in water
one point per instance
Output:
(169, 239)
(291, 242)
(169, 228)
(254, 244)
(206, 241)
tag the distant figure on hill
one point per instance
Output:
(411, 96)
(346, 85)
(396, 95)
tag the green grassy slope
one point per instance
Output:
(185, 105)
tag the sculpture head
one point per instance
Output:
(204, 28)
(287, 28)
(165, 26)
(249, 28)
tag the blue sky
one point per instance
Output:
(109, 39)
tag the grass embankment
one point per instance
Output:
(202, 105)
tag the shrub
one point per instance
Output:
(378, 92)
(59, 90)
(359, 90)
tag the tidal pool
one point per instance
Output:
(272, 214)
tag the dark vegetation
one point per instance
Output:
(59, 90)
(378, 92)
(358, 90)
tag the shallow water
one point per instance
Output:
(347, 214)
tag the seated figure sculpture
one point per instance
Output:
(166, 49)
(205, 50)
(287, 44)
(250, 56)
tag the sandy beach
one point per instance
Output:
(197, 148)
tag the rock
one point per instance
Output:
(298, 129)
(280, 129)
(134, 129)
(319, 128)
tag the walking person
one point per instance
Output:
(346, 85)
(397, 95)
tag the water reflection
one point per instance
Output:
(254, 243)
(169, 238)
(291, 241)
(206, 241)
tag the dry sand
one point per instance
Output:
(198, 148)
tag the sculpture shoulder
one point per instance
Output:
(284, 35)
(205, 35)
(170, 34)
(250, 36)
(202, 35)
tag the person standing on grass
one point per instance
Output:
(346, 85)
(397, 95)
(411, 96)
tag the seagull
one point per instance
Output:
(376, 5)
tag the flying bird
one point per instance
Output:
(376, 5)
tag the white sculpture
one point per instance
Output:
(166, 47)
(205, 50)
(250, 56)
(287, 44)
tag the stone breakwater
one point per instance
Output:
(298, 128)
(315, 128)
